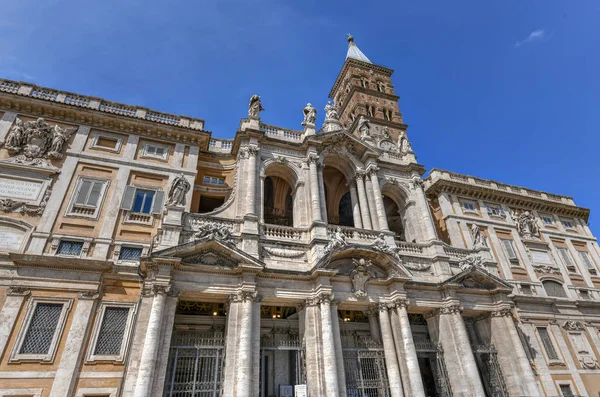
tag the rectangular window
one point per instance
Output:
(568, 224)
(213, 180)
(566, 258)
(548, 221)
(69, 248)
(587, 261)
(493, 210)
(42, 328)
(526, 289)
(566, 391)
(88, 197)
(469, 206)
(130, 254)
(107, 141)
(156, 150)
(547, 343)
(112, 331)
(142, 203)
(509, 250)
(584, 294)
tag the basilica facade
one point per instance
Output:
(141, 256)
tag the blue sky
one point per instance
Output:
(505, 90)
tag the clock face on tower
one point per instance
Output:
(387, 145)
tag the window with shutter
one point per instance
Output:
(42, 328)
(110, 337)
(587, 261)
(88, 197)
(547, 343)
(509, 250)
(566, 258)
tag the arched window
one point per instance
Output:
(554, 288)
(345, 211)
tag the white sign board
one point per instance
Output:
(20, 189)
(11, 238)
(300, 391)
(286, 391)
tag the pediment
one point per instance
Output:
(343, 141)
(208, 252)
(381, 265)
(477, 278)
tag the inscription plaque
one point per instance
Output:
(300, 390)
(20, 189)
(11, 238)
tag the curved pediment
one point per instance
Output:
(381, 265)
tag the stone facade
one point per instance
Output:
(141, 257)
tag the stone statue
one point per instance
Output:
(381, 86)
(385, 132)
(527, 225)
(37, 139)
(360, 276)
(364, 127)
(479, 240)
(331, 112)
(310, 114)
(178, 191)
(338, 240)
(403, 144)
(255, 107)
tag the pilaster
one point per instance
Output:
(5, 123)
(10, 311)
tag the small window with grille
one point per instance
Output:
(69, 248)
(39, 335)
(547, 343)
(566, 391)
(554, 288)
(130, 254)
(111, 332)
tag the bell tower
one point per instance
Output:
(365, 89)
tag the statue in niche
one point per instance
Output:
(310, 115)
(255, 107)
(479, 240)
(178, 191)
(360, 276)
(527, 225)
(364, 127)
(331, 112)
(338, 240)
(385, 132)
(37, 139)
(403, 144)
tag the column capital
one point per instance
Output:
(243, 296)
(323, 297)
(399, 303)
(311, 158)
(18, 291)
(451, 309)
(373, 309)
(156, 289)
(372, 169)
(502, 312)
(359, 174)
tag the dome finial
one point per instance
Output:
(350, 38)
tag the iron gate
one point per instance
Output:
(366, 374)
(491, 374)
(195, 367)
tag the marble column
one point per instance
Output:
(244, 363)
(362, 200)
(389, 349)
(339, 354)
(165, 346)
(371, 313)
(253, 153)
(10, 311)
(517, 372)
(355, 206)
(72, 355)
(151, 341)
(312, 341)
(379, 206)
(371, 201)
(315, 204)
(409, 352)
(330, 374)
(400, 354)
(322, 200)
(423, 204)
(262, 199)
(446, 326)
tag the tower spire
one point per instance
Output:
(354, 52)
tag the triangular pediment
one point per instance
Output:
(344, 141)
(477, 278)
(208, 252)
(383, 265)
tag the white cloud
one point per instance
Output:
(533, 36)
